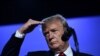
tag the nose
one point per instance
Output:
(50, 36)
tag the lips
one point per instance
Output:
(53, 41)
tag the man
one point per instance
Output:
(55, 30)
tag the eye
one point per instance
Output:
(53, 30)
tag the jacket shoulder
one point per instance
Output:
(38, 53)
(84, 54)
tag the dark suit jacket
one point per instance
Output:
(12, 48)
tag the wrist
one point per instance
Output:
(19, 35)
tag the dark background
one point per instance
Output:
(18, 11)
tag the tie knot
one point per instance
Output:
(62, 54)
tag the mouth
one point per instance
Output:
(52, 41)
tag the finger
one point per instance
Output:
(40, 22)
(36, 22)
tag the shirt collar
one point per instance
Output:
(67, 52)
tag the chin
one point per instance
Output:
(55, 46)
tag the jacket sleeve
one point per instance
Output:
(12, 47)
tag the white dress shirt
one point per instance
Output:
(67, 52)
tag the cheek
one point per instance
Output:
(59, 40)
(59, 36)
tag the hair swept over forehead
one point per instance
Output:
(54, 18)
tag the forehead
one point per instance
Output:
(53, 24)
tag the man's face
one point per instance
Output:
(53, 33)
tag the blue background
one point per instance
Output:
(87, 30)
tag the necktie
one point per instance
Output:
(61, 54)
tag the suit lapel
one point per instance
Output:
(74, 53)
(51, 53)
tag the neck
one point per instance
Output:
(61, 48)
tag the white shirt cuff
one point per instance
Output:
(19, 35)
